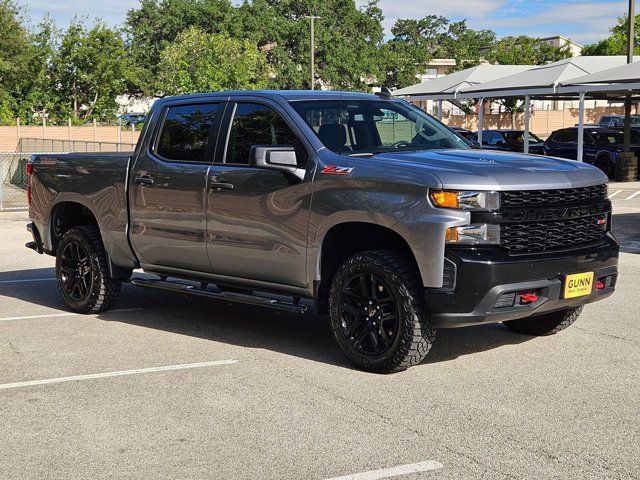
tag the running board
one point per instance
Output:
(189, 289)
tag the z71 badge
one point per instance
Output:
(334, 170)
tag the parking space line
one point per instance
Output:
(66, 314)
(28, 280)
(611, 195)
(633, 195)
(392, 471)
(121, 373)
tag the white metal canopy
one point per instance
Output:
(445, 87)
(543, 79)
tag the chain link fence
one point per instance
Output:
(13, 181)
(53, 145)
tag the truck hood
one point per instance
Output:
(497, 170)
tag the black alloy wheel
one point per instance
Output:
(76, 273)
(377, 312)
(369, 314)
(83, 277)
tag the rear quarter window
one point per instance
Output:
(186, 132)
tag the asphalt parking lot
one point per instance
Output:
(171, 387)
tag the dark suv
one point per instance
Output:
(602, 146)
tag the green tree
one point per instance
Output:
(204, 62)
(523, 50)
(347, 37)
(156, 24)
(416, 41)
(16, 55)
(616, 43)
(88, 71)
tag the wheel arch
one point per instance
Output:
(69, 213)
(345, 239)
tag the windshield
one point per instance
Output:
(367, 127)
(518, 137)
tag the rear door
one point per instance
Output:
(168, 187)
(258, 218)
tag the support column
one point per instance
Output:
(527, 118)
(480, 120)
(581, 127)
(440, 110)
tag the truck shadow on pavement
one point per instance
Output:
(307, 336)
(626, 228)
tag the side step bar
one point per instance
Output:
(189, 289)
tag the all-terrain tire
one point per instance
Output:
(546, 324)
(396, 279)
(98, 291)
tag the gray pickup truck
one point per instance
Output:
(389, 221)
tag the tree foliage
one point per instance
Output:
(88, 71)
(616, 43)
(523, 50)
(205, 62)
(177, 46)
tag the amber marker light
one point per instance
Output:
(445, 199)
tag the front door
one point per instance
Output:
(168, 188)
(257, 218)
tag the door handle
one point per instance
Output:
(144, 180)
(221, 186)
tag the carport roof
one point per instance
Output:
(449, 84)
(544, 79)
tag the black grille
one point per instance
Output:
(525, 198)
(532, 237)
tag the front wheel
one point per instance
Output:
(546, 324)
(81, 272)
(377, 312)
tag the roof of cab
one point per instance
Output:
(288, 95)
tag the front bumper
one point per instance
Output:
(487, 278)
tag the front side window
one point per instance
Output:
(185, 132)
(255, 124)
(368, 127)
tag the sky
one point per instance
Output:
(582, 20)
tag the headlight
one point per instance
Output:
(479, 234)
(466, 200)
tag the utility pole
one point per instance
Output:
(313, 50)
(627, 156)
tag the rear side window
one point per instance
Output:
(186, 131)
(255, 124)
(566, 136)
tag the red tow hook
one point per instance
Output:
(599, 285)
(528, 298)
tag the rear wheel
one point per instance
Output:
(81, 272)
(377, 312)
(546, 324)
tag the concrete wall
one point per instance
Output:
(9, 136)
(543, 122)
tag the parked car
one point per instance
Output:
(393, 229)
(132, 118)
(510, 140)
(602, 146)
(467, 135)
(617, 121)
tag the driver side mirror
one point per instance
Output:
(282, 158)
(500, 143)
